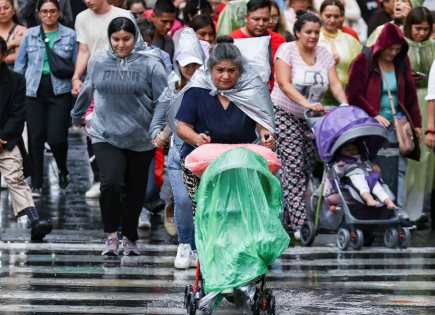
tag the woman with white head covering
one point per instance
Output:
(188, 57)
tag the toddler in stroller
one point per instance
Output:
(238, 232)
(363, 175)
(348, 140)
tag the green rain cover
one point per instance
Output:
(238, 231)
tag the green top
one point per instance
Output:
(421, 56)
(390, 77)
(51, 37)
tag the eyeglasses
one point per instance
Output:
(46, 12)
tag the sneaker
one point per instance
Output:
(111, 247)
(36, 192)
(94, 191)
(129, 247)
(182, 260)
(297, 235)
(169, 221)
(144, 219)
(40, 229)
(406, 223)
(64, 180)
(156, 205)
(193, 259)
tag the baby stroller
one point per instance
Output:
(238, 234)
(336, 205)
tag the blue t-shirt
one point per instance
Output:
(206, 113)
(385, 111)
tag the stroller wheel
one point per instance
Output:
(256, 308)
(357, 239)
(191, 305)
(391, 238)
(404, 238)
(187, 291)
(308, 233)
(343, 239)
(271, 309)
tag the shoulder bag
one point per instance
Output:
(404, 131)
(61, 68)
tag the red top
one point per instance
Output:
(276, 40)
(350, 31)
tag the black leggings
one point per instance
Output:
(48, 119)
(123, 177)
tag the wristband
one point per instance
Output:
(430, 131)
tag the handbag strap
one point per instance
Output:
(11, 32)
(390, 96)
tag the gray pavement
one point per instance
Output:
(67, 274)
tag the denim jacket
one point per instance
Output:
(30, 58)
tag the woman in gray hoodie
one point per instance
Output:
(125, 81)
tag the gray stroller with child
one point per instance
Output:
(335, 204)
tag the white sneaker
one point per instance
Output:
(94, 191)
(297, 235)
(144, 219)
(182, 260)
(193, 259)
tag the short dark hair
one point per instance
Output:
(129, 3)
(164, 6)
(121, 24)
(201, 21)
(193, 7)
(254, 5)
(302, 17)
(3, 46)
(418, 15)
(146, 28)
(334, 3)
(225, 51)
(41, 2)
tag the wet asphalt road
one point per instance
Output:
(67, 274)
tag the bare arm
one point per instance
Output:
(81, 65)
(265, 133)
(430, 137)
(187, 134)
(15, 43)
(336, 87)
(283, 73)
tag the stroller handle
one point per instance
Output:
(313, 117)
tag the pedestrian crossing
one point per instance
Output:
(73, 278)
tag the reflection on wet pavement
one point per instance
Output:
(67, 274)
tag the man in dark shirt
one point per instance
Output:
(163, 18)
(381, 16)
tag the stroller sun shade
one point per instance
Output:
(346, 123)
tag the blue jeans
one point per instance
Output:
(391, 134)
(153, 191)
(182, 204)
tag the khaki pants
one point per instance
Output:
(11, 168)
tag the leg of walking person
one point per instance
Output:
(135, 186)
(94, 191)
(11, 168)
(183, 213)
(58, 118)
(112, 163)
(295, 149)
(36, 117)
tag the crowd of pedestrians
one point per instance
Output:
(150, 74)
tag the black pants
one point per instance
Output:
(48, 118)
(94, 165)
(123, 177)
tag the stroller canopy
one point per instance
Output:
(346, 123)
(238, 231)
